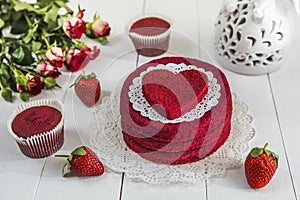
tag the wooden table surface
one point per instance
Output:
(273, 100)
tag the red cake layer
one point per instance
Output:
(174, 94)
(217, 120)
(150, 26)
(182, 157)
(202, 134)
(36, 120)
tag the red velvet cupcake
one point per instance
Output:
(150, 35)
(177, 143)
(38, 127)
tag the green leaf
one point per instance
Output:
(6, 16)
(31, 33)
(51, 17)
(79, 152)
(18, 6)
(22, 80)
(2, 23)
(6, 94)
(89, 33)
(21, 55)
(15, 16)
(4, 81)
(4, 71)
(255, 152)
(68, 175)
(92, 75)
(35, 46)
(103, 40)
(63, 4)
(49, 82)
(267, 152)
(18, 55)
(42, 10)
(20, 26)
(13, 83)
(276, 157)
(68, 164)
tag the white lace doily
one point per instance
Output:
(140, 104)
(118, 157)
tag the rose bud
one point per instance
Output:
(91, 50)
(50, 82)
(100, 28)
(56, 56)
(34, 85)
(46, 69)
(76, 60)
(74, 27)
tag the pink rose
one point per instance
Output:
(91, 50)
(34, 86)
(46, 69)
(56, 56)
(100, 28)
(76, 60)
(74, 27)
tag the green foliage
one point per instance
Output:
(2, 23)
(34, 29)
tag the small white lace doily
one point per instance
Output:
(118, 157)
(140, 104)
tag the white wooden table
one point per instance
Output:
(273, 100)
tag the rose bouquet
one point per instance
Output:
(37, 39)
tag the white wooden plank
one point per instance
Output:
(183, 42)
(133, 190)
(285, 85)
(106, 186)
(16, 170)
(255, 91)
(114, 61)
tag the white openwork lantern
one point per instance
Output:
(252, 36)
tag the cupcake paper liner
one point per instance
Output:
(43, 144)
(152, 45)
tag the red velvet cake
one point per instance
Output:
(38, 127)
(150, 26)
(35, 120)
(160, 88)
(177, 143)
(150, 35)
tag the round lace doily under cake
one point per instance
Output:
(114, 153)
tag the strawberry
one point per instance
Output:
(260, 166)
(87, 88)
(82, 162)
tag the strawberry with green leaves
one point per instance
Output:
(87, 88)
(82, 162)
(260, 167)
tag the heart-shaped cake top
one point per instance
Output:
(174, 94)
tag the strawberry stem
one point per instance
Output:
(61, 156)
(83, 73)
